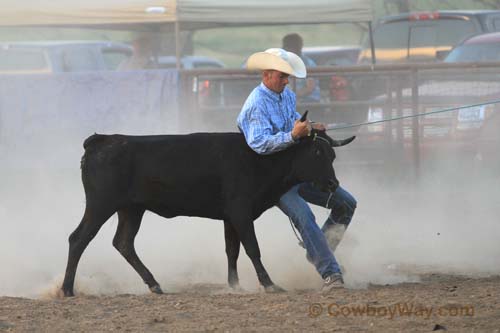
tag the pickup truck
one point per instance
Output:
(425, 36)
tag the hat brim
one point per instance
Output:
(265, 61)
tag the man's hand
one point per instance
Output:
(301, 129)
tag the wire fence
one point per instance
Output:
(411, 94)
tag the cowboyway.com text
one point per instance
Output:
(389, 311)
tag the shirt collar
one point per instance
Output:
(273, 95)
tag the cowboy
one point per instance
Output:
(270, 123)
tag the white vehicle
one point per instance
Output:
(40, 57)
(190, 62)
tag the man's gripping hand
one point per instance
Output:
(301, 129)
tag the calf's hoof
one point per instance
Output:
(67, 293)
(156, 289)
(272, 289)
(236, 287)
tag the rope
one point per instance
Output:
(301, 242)
(333, 127)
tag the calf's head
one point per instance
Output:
(313, 161)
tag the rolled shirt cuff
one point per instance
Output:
(290, 138)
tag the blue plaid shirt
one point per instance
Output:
(267, 118)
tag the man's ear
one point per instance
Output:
(304, 116)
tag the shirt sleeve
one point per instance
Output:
(259, 135)
(296, 116)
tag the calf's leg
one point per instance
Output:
(129, 222)
(232, 252)
(93, 219)
(246, 233)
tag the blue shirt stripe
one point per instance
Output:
(267, 118)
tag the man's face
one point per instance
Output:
(274, 80)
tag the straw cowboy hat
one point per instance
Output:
(280, 60)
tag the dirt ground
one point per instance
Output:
(438, 302)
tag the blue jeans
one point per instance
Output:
(341, 203)
(295, 207)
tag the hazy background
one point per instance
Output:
(447, 221)
(232, 46)
(440, 224)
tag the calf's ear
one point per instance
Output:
(304, 116)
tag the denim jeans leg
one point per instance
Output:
(292, 204)
(341, 203)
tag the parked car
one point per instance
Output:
(483, 47)
(467, 132)
(60, 56)
(334, 87)
(190, 62)
(427, 36)
(333, 55)
(456, 88)
(209, 92)
(337, 87)
(418, 37)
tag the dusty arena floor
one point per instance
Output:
(438, 302)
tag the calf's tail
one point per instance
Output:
(90, 145)
(93, 139)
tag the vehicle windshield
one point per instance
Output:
(12, 60)
(416, 41)
(475, 52)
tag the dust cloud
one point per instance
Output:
(446, 222)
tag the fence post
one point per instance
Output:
(399, 110)
(415, 123)
(188, 100)
(388, 111)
